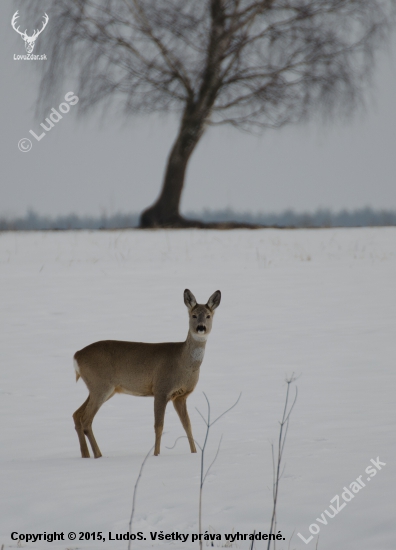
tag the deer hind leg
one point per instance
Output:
(160, 403)
(83, 419)
(180, 404)
(79, 429)
(94, 402)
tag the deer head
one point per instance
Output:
(29, 40)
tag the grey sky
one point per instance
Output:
(90, 167)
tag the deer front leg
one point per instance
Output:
(180, 404)
(160, 403)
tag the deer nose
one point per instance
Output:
(201, 329)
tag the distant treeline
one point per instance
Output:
(364, 217)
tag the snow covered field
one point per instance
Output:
(319, 303)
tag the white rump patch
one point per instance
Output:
(76, 367)
(198, 354)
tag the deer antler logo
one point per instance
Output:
(29, 40)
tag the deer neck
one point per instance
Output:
(195, 348)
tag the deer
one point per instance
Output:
(29, 40)
(167, 371)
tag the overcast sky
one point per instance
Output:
(90, 167)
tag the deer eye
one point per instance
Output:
(194, 316)
(208, 316)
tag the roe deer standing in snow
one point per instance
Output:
(168, 371)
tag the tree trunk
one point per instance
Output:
(165, 211)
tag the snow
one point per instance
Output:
(319, 303)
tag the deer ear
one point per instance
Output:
(189, 299)
(214, 300)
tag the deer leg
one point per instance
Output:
(93, 405)
(79, 429)
(180, 404)
(160, 403)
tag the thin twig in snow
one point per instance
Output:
(277, 474)
(209, 424)
(134, 495)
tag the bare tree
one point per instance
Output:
(254, 64)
